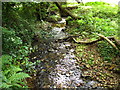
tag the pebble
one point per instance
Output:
(67, 73)
(91, 83)
(72, 50)
(67, 44)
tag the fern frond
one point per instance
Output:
(5, 85)
(17, 85)
(6, 72)
(12, 70)
(6, 59)
(4, 78)
(15, 68)
(18, 76)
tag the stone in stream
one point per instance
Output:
(72, 50)
(67, 44)
(78, 82)
(63, 50)
(58, 33)
(91, 83)
(61, 46)
(69, 56)
(64, 73)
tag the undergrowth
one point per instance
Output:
(99, 17)
(100, 60)
(18, 30)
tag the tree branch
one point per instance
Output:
(102, 37)
(110, 42)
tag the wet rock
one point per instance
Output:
(91, 83)
(51, 50)
(62, 71)
(67, 44)
(53, 19)
(72, 50)
(58, 33)
(62, 21)
(79, 82)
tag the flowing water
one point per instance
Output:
(58, 67)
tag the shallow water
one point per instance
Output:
(58, 67)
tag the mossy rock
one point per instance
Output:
(54, 19)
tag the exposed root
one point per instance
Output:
(102, 37)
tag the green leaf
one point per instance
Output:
(15, 68)
(6, 59)
(17, 85)
(5, 85)
(18, 76)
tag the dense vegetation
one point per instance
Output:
(26, 24)
(18, 31)
(100, 18)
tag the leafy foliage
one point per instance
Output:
(19, 28)
(107, 52)
(11, 74)
(23, 21)
(13, 45)
(96, 17)
(98, 61)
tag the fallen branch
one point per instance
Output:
(102, 37)
(92, 42)
(72, 38)
(110, 42)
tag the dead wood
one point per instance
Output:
(102, 37)
(107, 39)
(65, 12)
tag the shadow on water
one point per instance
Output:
(48, 58)
(58, 66)
(48, 55)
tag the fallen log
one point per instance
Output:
(92, 42)
(65, 12)
(102, 37)
(72, 38)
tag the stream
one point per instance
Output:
(58, 67)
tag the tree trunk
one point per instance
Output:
(78, 1)
(64, 12)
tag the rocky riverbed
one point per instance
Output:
(58, 67)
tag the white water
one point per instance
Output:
(57, 31)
